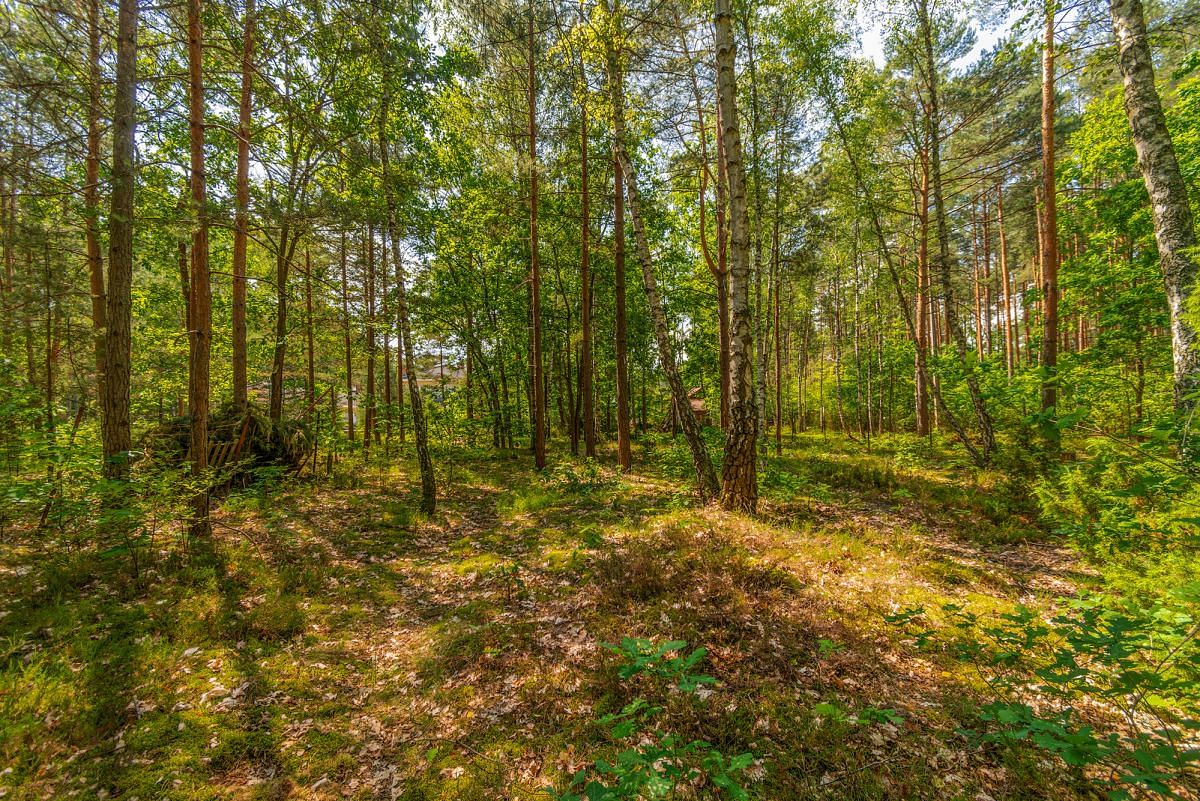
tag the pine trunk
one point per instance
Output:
(624, 447)
(201, 284)
(118, 298)
(241, 213)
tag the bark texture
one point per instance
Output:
(1174, 226)
(739, 479)
(91, 193)
(241, 213)
(1049, 234)
(537, 370)
(624, 446)
(201, 285)
(118, 301)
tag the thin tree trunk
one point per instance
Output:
(1010, 342)
(989, 302)
(91, 194)
(776, 259)
(240, 219)
(953, 330)
(585, 279)
(722, 274)
(976, 284)
(279, 358)
(921, 339)
(538, 393)
(369, 433)
(346, 341)
(400, 371)
(1049, 241)
(385, 314)
(624, 448)
(308, 334)
(201, 317)
(719, 273)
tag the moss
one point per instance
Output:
(277, 617)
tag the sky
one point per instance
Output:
(870, 42)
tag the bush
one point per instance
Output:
(653, 763)
(1142, 661)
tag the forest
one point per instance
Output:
(599, 400)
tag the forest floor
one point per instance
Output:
(332, 643)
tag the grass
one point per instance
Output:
(330, 642)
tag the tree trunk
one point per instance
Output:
(308, 334)
(91, 194)
(722, 274)
(624, 448)
(386, 317)
(585, 278)
(1010, 342)
(279, 358)
(776, 266)
(706, 478)
(1174, 227)
(739, 471)
(201, 286)
(1049, 240)
(400, 339)
(921, 339)
(240, 219)
(538, 393)
(369, 307)
(346, 341)
(975, 282)
(118, 298)
(719, 273)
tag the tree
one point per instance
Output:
(242, 200)
(739, 477)
(200, 317)
(620, 327)
(943, 262)
(1174, 227)
(91, 193)
(1049, 244)
(537, 394)
(118, 297)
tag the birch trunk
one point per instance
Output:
(739, 470)
(1174, 227)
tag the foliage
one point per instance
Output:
(1102, 656)
(652, 763)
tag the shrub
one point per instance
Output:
(1143, 661)
(653, 763)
